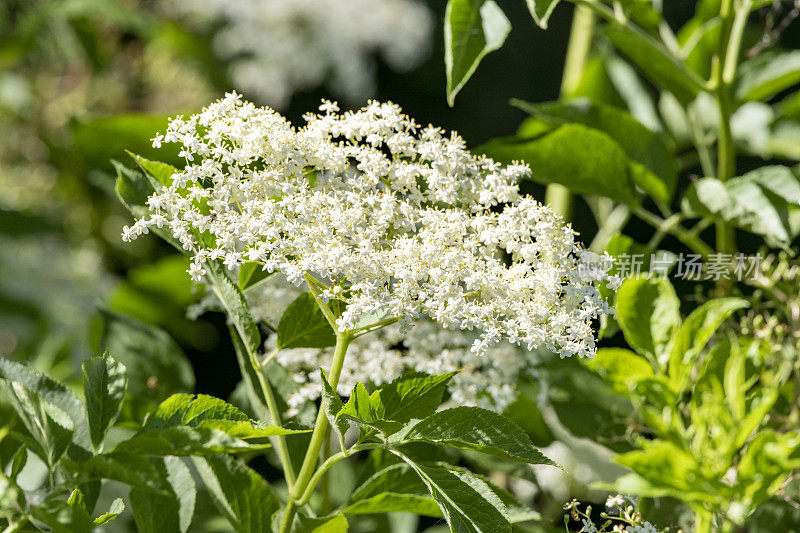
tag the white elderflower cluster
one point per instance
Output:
(399, 220)
(277, 47)
(489, 381)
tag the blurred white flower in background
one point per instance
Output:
(275, 48)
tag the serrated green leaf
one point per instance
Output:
(648, 311)
(240, 494)
(541, 11)
(414, 395)
(184, 440)
(166, 511)
(767, 74)
(303, 325)
(655, 169)
(472, 29)
(18, 462)
(466, 502)
(396, 488)
(105, 382)
(117, 508)
(695, 332)
(161, 171)
(362, 409)
(758, 202)
(325, 524)
(206, 412)
(473, 428)
(332, 406)
(64, 516)
(582, 159)
(50, 427)
(52, 392)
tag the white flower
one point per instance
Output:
(277, 47)
(615, 501)
(403, 219)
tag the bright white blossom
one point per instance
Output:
(277, 47)
(489, 381)
(402, 221)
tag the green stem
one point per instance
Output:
(332, 460)
(557, 196)
(727, 60)
(689, 238)
(279, 442)
(318, 436)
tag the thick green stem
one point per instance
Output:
(317, 437)
(557, 196)
(727, 60)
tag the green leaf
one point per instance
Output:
(766, 464)
(648, 313)
(303, 325)
(184, 440)
(207, 412)
(472, 29)
(251, 274)
(758, 202)
(133, 188)
(53, 392)
(362, 409)
(467, 503)
(655, 61)
(104, 385)
(414, 395)
(18, 462)
(235, 305)
(331, 406)
(155, 364)
(622, 368)
(654, 167)
(767, 74)
(117, 508)
(50, 427)
(396, 488)
(582, 159)
(473, 428)
(134, 470)
(541, 11)
(64, 516)
(159, 170)
(166, 511)
(670, 470)
(689, 340)
(240, 494)
(325, 524)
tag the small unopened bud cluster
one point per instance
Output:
(402, 219)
